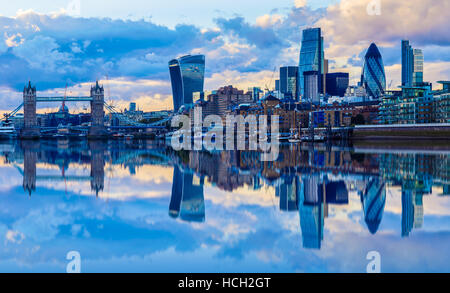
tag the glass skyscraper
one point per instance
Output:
(418, 67)
(373, 77)
(288, 81)
(407, 64)
(187, 75)
(337, 83)
(311, 58)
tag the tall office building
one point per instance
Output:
(288, 81)
(373, 78)
(412, 65)
(324, 75)
(311, 58)
(418, 67)
(407, 64)
(337, 83)
(187, 75)
(312, 86)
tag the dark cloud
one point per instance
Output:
(50, 50)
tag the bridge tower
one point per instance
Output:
(31, 128)
(97, 111)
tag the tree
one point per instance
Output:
(358, 120)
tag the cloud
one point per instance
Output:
(348, 22)
(51, 49)
(300, 3)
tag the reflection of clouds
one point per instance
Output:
(241, 196)
(128, 229)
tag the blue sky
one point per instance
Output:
(51, 43)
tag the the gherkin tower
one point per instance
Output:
(373, 77)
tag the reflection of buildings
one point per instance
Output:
(30, 159)
(187, 200)
(35, 152)
(287, 192)
(374, 200)
(311, 209)
(307, 179)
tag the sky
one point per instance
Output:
(127, 47)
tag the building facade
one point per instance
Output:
(311, 59)
(187, 75)
(337, 83)
(288, 81)
(373, 76)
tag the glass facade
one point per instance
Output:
(288, 81)
(311, 58)
(187, 75)
(373, 77)
(337, 83)
(407, 64)
(418, 67)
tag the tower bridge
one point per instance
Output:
(31, 129)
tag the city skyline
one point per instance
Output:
(240, 51)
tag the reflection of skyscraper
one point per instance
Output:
(187, 200)
(177, 193)
(287, 191)
(336, 193)
(311, 212)
(418, 210)
(311, 58)
(187, 75)
(373, 77)
(374, 200)
(407, 212)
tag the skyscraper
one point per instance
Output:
(418, 67)
(407, 64)
(337, 83)
(373, 77)
(311, 58)
(187, 75)
(312, 88)
(288, 81)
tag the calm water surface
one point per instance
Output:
(141, 207)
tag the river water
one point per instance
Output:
(139, 206)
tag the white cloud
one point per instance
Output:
(42, 52)
(300, 3)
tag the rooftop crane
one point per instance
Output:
(271, 79)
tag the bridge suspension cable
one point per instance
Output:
(125, 119)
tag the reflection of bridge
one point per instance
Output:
(97, 101)
(30, 177)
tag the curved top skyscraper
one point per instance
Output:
(373, 77)
(187, 75)
(311, 58)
